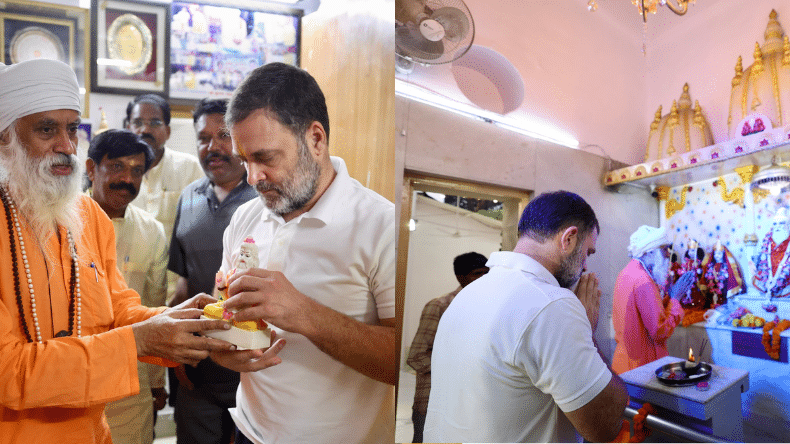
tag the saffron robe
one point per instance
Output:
(642, 324)
(55, 391)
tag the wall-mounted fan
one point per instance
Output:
(432, 32)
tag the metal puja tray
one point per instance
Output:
(682, 377)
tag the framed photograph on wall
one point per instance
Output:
(32, 30)
(129, 49)
(214, 47)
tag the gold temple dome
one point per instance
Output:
(683, 129)
(764, 87)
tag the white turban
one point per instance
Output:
(647, 238)
(35, 86)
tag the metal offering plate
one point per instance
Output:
(676, 375)
(35, 42)
(129, 40)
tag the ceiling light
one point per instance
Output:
(774, 178)
(679, 7)
(535, 130)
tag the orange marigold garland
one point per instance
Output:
(692, 317)
(625, 432)
(772, 337)
(640, 431)
(767, 336)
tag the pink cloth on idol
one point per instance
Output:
(642, 324)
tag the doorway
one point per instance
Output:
(440, 219)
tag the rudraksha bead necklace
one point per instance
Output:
(75, 302)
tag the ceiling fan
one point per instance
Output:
(431, 32)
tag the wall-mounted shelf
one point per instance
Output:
(706, 163)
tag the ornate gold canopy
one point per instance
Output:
(683, 129)
(764, 87)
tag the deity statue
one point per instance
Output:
(723, 277)
(244, 334)
(772, 264)
(248, 255)
(691, 263)
(247, 258)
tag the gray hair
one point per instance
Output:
(290, 94)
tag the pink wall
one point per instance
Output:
(702, 49)
(585, 72)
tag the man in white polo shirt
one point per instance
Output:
(327, 278)
(514, 358)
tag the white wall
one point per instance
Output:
(432, 247)
(182, 133)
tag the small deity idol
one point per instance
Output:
(247, 258)
(248, 255)
(692, 263)
(723, 276)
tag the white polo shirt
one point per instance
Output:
(511, 351)
(342, 254)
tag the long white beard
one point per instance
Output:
(659, 267)
(44, 200)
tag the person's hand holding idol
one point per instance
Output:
(170, 335)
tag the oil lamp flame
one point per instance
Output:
(691, 355)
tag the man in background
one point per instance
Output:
(523, 341)
(206, 392)
(467, 267)
(148, 116)
(117, 160)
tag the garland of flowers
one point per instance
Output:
(780, 279)
(772, 340)
(717, 281)
(692, 317)
(640, 431)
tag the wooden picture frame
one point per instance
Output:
(211, 61)
(30, 30)
(130, 47)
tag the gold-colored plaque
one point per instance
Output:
(35, 42)
(130, 42)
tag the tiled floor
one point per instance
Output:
(165, 427)
(404, 431)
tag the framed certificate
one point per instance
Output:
(129, 48)
(44, 31)
(214, 46)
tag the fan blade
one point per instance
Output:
(455, 23)
(411, 43)
(408, 11)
